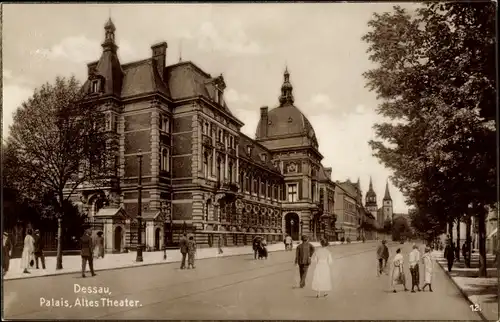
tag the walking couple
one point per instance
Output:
(187, 247)
(32, 251)
(305, 255)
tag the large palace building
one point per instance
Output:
(200, 174)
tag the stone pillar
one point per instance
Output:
(108, 235)
(155, 145)
(121, 148)
(226, 163)
(237, 163)
(150, 234)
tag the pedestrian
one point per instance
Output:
(464, 251)
(6, 253)
(413, 260)
(428, 268)
(87, 252)
(28, 259)
(322, 281)
(191, 245)
(398, 275)
(39, 246)
(288, 242)
(303, 258)
(449, 254)
(262, 249)
(381, 256)
(255, 246)
(99, 245)
(219, 244)
(457, 252)
(183, 246)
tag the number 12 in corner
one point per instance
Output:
(475, 307)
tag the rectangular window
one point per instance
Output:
(94, 86)
(292, 192)
(220, 136)
(165, 160)
(109, 121)
(164, 124)
(231, 142)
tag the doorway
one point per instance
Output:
(292, 225)
(118, 239)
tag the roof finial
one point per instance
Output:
(286, 97)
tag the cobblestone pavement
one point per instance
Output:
(237, 287)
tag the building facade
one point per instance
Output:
(349, 210)
(200, 174)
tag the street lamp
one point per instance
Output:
(59, 242)
(139, 210)
(165, 216)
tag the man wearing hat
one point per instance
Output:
(6, 252)
(39, 249)
(87, 252)
(414, 258)
(303, 256)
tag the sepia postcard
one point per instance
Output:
(249, 161)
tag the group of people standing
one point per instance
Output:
(32, 254)
(414, 259)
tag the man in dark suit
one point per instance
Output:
(87, 252)
(183, 246)
(303, 259)
(6, 252)
(39, 250)
(449, 254)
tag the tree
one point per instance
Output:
(436, 80)
(59, 141)
(400, 229)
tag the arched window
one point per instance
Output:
(164, 161)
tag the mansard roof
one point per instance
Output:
(256, 151)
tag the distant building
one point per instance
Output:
(349, 209)
(201, 175)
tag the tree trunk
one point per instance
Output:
(481, 217)
(450, 231)
(468, 240)
(458, 240)
(59, 230)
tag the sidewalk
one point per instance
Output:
(72, 263)
(482, 292)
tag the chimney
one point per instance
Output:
(92, 68)
(328, 172)
(263, 121)
(159, 53)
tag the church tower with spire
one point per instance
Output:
(387, 204)
(371, 200)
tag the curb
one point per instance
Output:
(464, 294)
(142, 265)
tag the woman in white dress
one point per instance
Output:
(428, 268)
(398, 275)
(322, 281)
(28, 252)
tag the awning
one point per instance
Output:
(492, 233)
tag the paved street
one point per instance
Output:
(239, 287)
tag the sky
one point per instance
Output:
(250, 44)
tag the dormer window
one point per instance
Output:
(94, 86)
(249, 150)
(164, 124)
(263, 157)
